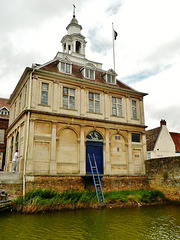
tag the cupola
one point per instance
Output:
(73, 42)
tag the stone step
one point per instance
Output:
(9, 177)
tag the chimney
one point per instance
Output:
(162, 122)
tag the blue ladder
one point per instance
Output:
(96, 180)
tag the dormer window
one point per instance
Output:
(110, 76)
(65, 67)
(110, 79)
(4, 111)
(89, 73)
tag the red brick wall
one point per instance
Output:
(13, 190)
(109, 183)
(60, 184)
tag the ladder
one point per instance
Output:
(96, 180)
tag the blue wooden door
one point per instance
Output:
(95, 148)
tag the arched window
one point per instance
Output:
(94, 136)
(78, 46)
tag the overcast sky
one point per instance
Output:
(147, 49)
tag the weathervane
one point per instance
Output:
(74, 9)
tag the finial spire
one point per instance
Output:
(74, 10)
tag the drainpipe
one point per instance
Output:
(27, 132)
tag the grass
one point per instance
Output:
(46, 200)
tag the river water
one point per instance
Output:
(150, 222)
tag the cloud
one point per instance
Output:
(162, 101)
(114, 7)
(146, 73)
(170, 114)
(98, 44)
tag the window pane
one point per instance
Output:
(91, 107)
(87, 73)
(91, 95)
(134, 103)
(113, 79)
(108, 78)
(96, 96)
(134, 112)
(71, 92)
(67, 68)
(119, 110)
(45, 86)
(119, 100)
(65, 90)
(65, 101)
(92, 74)
(113, 99)
(114, 110)
(135, 137)
(63, 67)
(71, 102)
(96, 106)
(44, 98)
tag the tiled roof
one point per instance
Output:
(176, 139)
(52, 67)
(151, 138)
(4, 103)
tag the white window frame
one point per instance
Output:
(95, 100)
(116, 106)
(20, 99)
(69, 96)
(134, 109)
(89, 73)
(65, 67)
(44, 91)
(110, 78)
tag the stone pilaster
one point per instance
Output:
(82, 152)
(130, 160)
(107, 163)
(53, 162)
(30, 160)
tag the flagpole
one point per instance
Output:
(113, 46)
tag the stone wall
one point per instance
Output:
(164, 175)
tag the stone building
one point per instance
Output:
(68, 107)
(4, 120)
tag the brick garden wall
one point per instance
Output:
(13, 190)
(164, 175)
(109, 183)
(63, 183)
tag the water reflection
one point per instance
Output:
(154, 222)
